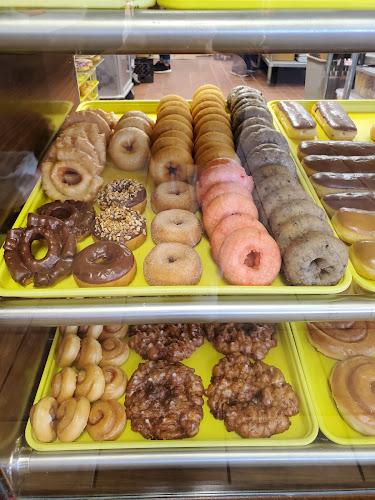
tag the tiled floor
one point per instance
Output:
(188, 74)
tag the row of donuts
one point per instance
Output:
(161, 391)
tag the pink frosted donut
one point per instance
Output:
(224, 205)
(221, 161)
(249, 257)
(222, 173)
(223, 188)
(227, 226)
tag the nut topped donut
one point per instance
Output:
(121, 225)
(79, 216)
(54, 266)
(127, 193)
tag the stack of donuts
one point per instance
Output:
(172, 140)
(212, 132)
(129, 146)
(90, 358)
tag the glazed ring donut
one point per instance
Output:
(175, 110)
(115, 382)
(207, 86)
(90, 383)
(43, 419)
(209, 111)
(64, 384)
(171, 164)
(90, 353)
(172, 264)
(172, 97)
(139, 114)
(104, 264)
(209, 145)
(295, 227)
(174, 194)
(165, 142)
(204, 104)
(115, 352)
(315, 259)
(168, 124)
(176, 225)
(135, 122)
(214, 126)
(106, 421)
(207, 93)
(219, 151)
(210, 118)
(67, 350)
(227, 226)
(178, 118)
(118, 331)
(224, 188)
(249, 257)
(120, 225)
(72, 417)
(224, 205)
(130, 149)
(178, 135)
(212, 137)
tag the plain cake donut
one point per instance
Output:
(164, 142)
(129, 149)
(174, 194)
(171, 164)
(176, 225)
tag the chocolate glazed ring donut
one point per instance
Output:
(55, 265)
(79, 216)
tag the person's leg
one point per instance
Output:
(164, 64)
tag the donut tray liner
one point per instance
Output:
(212, 432)
(317, 369)
(362, 112)
(211, 283)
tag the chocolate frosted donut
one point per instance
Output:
(79, 216)
(104, 264)
(55, 265)
(127, 193)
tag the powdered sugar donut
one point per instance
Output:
(249, 257)
(227, 226)
(224, 205)
(223, 188)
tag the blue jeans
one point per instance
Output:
(165, 58)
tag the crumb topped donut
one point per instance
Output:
(174, 194)
(121, 225)
(176, 225)
(127, 193)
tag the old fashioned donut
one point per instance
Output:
(221, 173)
(213, 137)
(212, 117)
(164, 142)
(135, 122)
(79, 216)
(57, 262)
(211, 110)
(227, 226)
(178, 118)
(140, 114)
(127, 193)
(219, 151)
(176, 225)
(171, 164)
(110, 118)
(172, 97)
(179, 135)
(206, 86)
(168, 124)
(120, 225)
(130, 149)
(63, 384)
(66, 143)
(43, 419)
(175, 110)
(298, 226)
(90, 353)
(104, 264)
(67, 350)
(172, 264)
(315, 259)
(249, 257)
(173, 194)
(115, 382)
(224, 205)
(106, 421)
(72, 416)
(115, 352)
(90, 132)
(214, 126)
(90, 383)
(89, 117)
(224, 188)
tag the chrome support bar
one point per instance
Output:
(138, 310)
(194, 32)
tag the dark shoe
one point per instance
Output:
(160, 67)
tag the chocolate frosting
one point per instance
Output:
(79, 216)
(121, 193)
(361, 201)
(340, 164)
(363, 182)
(297, 115)
(335, 116)
(336, 148)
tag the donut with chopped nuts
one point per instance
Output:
(127, 193)
(120, 225)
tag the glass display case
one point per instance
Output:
(301, 441)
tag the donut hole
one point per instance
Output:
(39, 247)
(71, 177)
(252, 260)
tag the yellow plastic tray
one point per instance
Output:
(264, 4)
(211, 282)
(362, 112)
(70, 4)
(212, 432)
(93, 86)
(317, 369)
